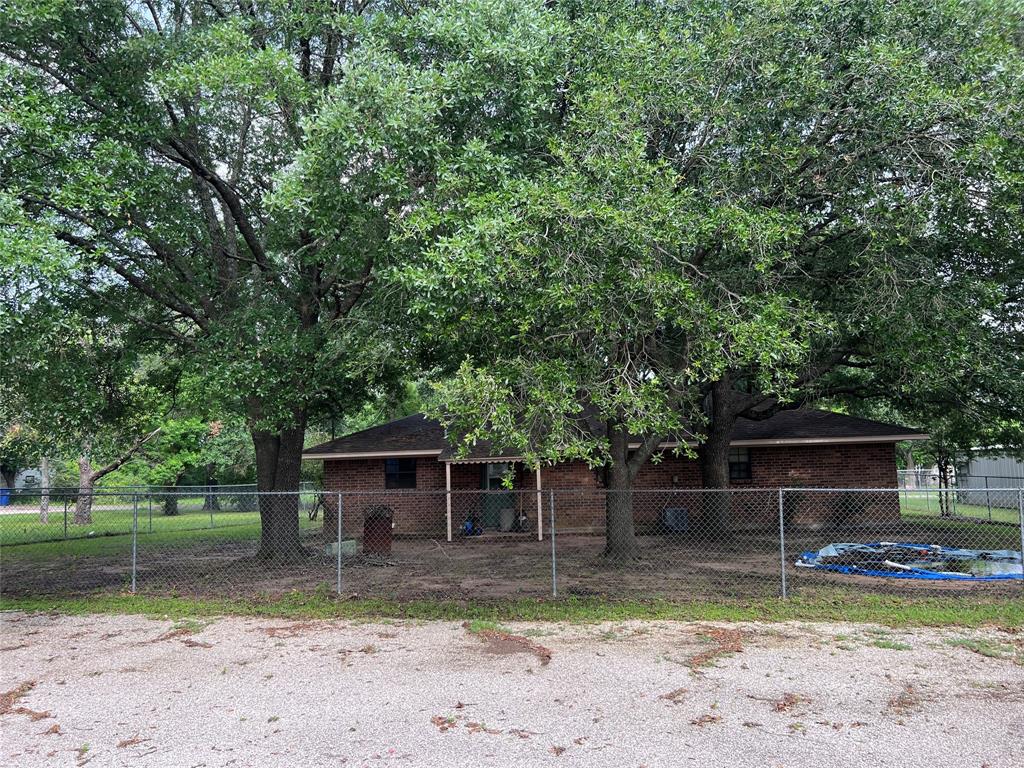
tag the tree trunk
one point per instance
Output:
(278, 465)
(8, 476)
(620, 536)
(945, 495)
(713, 457)
(910, 477)
(170, 504)
(44, 492)
(87, 476)
(83, 504)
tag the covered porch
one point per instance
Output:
(492, 495)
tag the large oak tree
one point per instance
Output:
(238, 167)
(740, 199)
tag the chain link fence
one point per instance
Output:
(676, 545)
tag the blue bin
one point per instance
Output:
(5, 497)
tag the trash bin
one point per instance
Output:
(507, 519)
(378, 525)
(5, 497)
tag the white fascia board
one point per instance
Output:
(370, 455)
(782, 441)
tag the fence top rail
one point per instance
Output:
(100, 493)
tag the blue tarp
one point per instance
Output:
(906, 560)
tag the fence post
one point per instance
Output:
(65, 517)
(782, 542)
(151, 513)
(337, 525)
(207, 499)
(135, 536)
(554, 556)
(1020, 519)
(988, 499)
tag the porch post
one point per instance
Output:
(540, 509)
(448, 495)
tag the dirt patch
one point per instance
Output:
(501, 643)
(190, 643)
(906, 702)
(724, 642)
(173, 634)
(295, 629)
(9, 698)
(671, 568)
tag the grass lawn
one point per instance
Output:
(112, 516)
(836, 605)
(920, 503)
(179, 531)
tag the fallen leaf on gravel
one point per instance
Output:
(130, 742)
(787, 702)
(33, 714)
(703, 720)
(443, 723)
(522, 733)
(751, 724)
(53, 730)
(557, 751)
(675, 696)
(196, 643)
(481, 728)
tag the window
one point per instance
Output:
(739, 464)
(399, 473)
(494, 476)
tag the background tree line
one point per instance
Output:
(592, 223)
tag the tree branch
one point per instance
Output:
(123, 458)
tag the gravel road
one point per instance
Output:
(130, 691)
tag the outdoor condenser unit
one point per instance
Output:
(675, 519)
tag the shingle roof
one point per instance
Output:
(418, 434)
(412, 433)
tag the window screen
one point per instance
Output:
(739, 464)
(399, 473)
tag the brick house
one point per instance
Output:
(408, 466)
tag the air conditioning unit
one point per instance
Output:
(675, 519)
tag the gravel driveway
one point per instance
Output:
(122, 690)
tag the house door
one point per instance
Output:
(497, 509)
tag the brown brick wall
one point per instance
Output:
(580, 498)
